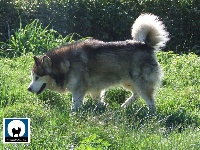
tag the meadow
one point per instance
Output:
(176, 124)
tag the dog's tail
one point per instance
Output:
(149, 29)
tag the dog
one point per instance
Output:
(92, 66)
(14, 131)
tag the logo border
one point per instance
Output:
(29, 131)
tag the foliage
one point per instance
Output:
(105, 20)
(34, 38)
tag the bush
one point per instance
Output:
(106, 20)
(36, 39)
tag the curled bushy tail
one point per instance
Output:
(149, 29)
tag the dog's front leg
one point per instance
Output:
(77, 100)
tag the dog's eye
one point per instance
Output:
(36, 78)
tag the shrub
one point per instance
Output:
(36, 39)
(106, 20)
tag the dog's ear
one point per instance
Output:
(46, 61)
(36, 60)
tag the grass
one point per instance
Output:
(33, 38)
(176, 124)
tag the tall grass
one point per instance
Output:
(174, 126)
(34, 38)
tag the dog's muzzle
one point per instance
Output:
(41, 89)
(29, 89)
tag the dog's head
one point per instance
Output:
(46, 75)
(41, 74)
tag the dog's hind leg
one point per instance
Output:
(132, 98)
(129, 101)
(147, 93)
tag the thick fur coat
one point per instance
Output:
(91, 66)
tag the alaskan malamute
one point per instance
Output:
(91, 66)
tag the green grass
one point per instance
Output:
(176, 124)
(33, 38)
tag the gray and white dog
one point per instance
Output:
(91, 66)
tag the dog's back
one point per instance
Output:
(111, 63)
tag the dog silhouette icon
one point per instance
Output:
(14, 131)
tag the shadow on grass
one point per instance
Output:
(179, 120)
(176, 120)
(56, 101)
(135, 116)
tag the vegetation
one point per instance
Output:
(176, 124)
(34, 38)
(106, 20)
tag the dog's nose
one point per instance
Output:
(29, 89)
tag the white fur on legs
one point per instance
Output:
(102, 96)
(129, 101)
(150, 101)
(99, 96)
(77, 100)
